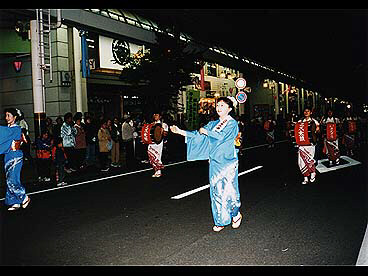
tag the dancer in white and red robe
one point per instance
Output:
(350, 133)
(306, 130)
(155, 150)
(331, 143)
(269, 127)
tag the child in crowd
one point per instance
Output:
(43, 151)
(59, 158)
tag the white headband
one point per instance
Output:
(235, 103)
(18, 112)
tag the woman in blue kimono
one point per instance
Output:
(215, 142)
(10, 140)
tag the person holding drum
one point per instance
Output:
(216, 142)
(350, 130)
(306, 130)
(152, 134)
(330, 126)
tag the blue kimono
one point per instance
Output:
(15, 192)
(218, 147)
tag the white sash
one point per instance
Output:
(222, 124)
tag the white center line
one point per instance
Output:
(95, 180)
(208, 185)
(123, 174)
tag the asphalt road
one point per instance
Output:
(133, 220)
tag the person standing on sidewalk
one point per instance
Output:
(80, 144)
(105, 145)
(10, 140)
(43, 153)
(115, 137)
(91, 140)
(127, 131)
(68, 133)
(59, 158)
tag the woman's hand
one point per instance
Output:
(203, 131)
(174, 129)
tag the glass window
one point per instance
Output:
(211, 69)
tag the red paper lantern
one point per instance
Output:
(17, 65)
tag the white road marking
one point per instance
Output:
(208, 185)
(322, 168)
(123, 174)
(95, 180)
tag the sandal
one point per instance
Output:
(313, 177)
(236, 223)
(26, 202)
(14, 207)
(217, 228)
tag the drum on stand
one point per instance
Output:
(152, 133)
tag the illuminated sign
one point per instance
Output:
(114, 53)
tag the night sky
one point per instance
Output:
(326, 48)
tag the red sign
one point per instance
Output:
(202, 79)
(301, 134)
(17, 65)
(331, 132)
(352, 126)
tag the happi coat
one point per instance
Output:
(306, 161)
(218, 147)
(331, 148)
(155, 151)
(13, 160)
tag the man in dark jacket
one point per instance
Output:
(91, 138)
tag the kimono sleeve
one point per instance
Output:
(7, 135)
(197, 146)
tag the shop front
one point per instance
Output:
(107, 94)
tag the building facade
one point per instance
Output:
(93, 37)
